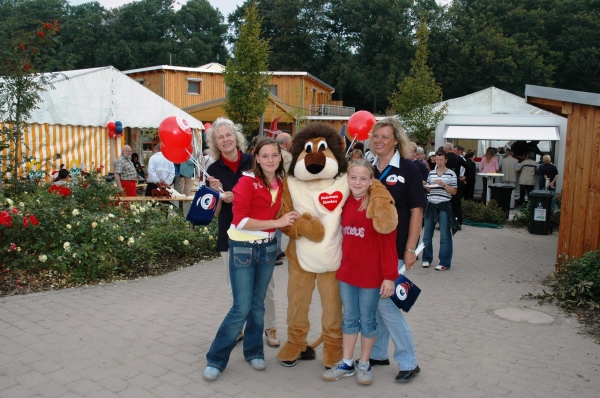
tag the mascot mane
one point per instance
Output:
(335, 142)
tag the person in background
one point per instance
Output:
(459, 150)
(527, 170)
(403, 180)
(356, 154)
(412, 155)
(421, 157)
(431, 160)
(62, 178)
(285, 142)
(135, 159)
(488, 164)
(186, 170)
(252, 252)
(161, 171)
(227, 145)
(439, 210)
(471, 179)
(454, 163)
(509, 168)
(367, 273)
(126, 175)
(549, 173)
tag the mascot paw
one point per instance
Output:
(310, 227)
(381, 209)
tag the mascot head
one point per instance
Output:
(318, 153)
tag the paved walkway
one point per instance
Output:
(148, 338)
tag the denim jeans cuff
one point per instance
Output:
(350, 330)
(255, 357)
(214, 365)
(368, 335)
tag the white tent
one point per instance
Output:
(93, 97)
(71, 118)
(495, 117)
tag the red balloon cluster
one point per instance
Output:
(115, 129)
(360, 125)
(176, 136)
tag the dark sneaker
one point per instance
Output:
(289, 364)
(375, 362)
(407, 375)
(338, 371)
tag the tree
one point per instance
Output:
(25, 57)
(418, 94)
(246, 74)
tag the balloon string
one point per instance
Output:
(348, 150)
(200, 167)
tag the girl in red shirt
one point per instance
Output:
(252, 256)
(367, 273)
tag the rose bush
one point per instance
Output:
(86, 236)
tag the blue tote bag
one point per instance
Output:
(203, 206)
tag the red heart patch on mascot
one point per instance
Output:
(330, 200)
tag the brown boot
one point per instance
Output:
(272, 340)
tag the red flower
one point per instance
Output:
(27, 66)
(1, 220)
(8, 221)
(13, 246)
(41, 34)
(22, 46)
(34, 220)
(4, 213)
(64, 191)
(14, 210)
(25, 222)
(84, 185)
(48, 25)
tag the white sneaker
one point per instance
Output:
(425, 264)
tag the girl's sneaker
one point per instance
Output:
(258, 364)
(211, 374)
(338, 371)
(364, 375)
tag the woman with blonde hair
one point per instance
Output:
(402, 179)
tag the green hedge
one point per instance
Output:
(480, 213)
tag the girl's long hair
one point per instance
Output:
(367, 165)
(489, 154)
(257, 170)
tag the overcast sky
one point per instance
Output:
(225, 6)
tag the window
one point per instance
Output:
(194, 86)
(273, 90)
(141, 81)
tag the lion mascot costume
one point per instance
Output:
(316, 187)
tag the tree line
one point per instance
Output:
(363, 48)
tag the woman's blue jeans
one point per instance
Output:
(432, 216)
(250, 269)
(360, 309)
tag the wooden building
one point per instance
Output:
(296, 97)
(580, 210)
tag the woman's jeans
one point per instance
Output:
(250, 268)
(360, 308)
(391, 322)
(437, 213)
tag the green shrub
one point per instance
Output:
(576, 284)
(476, 211)
(86, 236)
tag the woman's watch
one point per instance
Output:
(413, 251)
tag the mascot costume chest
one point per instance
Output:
(316, 187)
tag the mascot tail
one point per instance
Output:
(317, 342)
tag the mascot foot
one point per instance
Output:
(306, 355)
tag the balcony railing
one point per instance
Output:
(330, 110)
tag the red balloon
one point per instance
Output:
(175, 132)
(111, 134)
(111, 125)
(360, 125)
(176, 155)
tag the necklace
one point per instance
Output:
(380, 168)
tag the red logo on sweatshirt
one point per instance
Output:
(330, 200)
